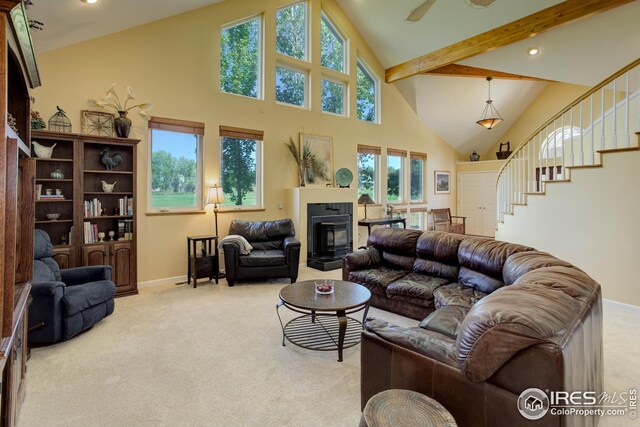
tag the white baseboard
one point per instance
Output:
(622, 304)
(167, 280)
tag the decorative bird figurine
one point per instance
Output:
(106, 187)
(109, 162)
(43, 151)
(60, 110)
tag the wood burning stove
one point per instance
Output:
(329, 234)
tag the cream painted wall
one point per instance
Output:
(481, 166)
(551, 100)
(590, 222)
(175, 63)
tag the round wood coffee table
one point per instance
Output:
(324, 324)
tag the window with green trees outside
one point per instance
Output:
(291, 31)
(240, 56)
(332, 46)
(366, 94)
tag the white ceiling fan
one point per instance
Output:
(421, 10)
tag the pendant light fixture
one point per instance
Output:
(490, 117)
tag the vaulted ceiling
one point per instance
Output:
(581, 52)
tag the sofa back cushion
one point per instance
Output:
(271, 233)
(438, 254)
(397, 246)
(482, 260)
(521, 263)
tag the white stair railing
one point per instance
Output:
(601, 119)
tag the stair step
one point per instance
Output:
(535, 193)
(518, 204)
(557, 181)
(619, 150)
(584, 166)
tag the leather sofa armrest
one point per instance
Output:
(290, 242)
(80, 275)
(428, 343)
(360, 260)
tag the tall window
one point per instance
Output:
(366, 94)
(332, 46)
(240, 58)
(241, 167)
(291, 86)
(291, 31)
(395, 173)
(416, 178)
(333, 94)
(368, 160)
(176, 164)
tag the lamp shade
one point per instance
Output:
(215, 195)
(365, 199)
(490, 116)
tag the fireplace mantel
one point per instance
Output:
(299, 197)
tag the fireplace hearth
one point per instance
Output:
(329, 234)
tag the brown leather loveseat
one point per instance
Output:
(500, 319)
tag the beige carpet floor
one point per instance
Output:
(212, 356)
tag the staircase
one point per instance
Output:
(573, 187)
(603, 120)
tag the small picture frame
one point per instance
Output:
(98, 123)
(442, 182)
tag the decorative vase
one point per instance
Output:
(56, 174)
(301, 176)
(122, 124)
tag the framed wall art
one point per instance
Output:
(96, 123)
(320, 171)
(442, 182)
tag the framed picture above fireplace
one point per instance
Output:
(321, 147)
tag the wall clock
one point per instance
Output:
(96, 123)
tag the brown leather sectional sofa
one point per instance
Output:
(497, 319)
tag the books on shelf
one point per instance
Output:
(92, 207)
(124, 229)
(90, 232)
(125, 206)
(52, 197)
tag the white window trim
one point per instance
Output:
(199, 181)
(345, 43)
(423, 200)
(376, 85)
(345, 96)
(259, 179)
(260, 89)
(307, 31)
(307, 83)
(403, 182)
(377, 177)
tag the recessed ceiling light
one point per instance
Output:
(533, 51)
(89, 1)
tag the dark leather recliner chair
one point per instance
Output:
(66, 302)
(276, 251)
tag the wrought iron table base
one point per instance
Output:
(324, 331)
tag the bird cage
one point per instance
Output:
(59, 122)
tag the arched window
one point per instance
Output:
(551, 147)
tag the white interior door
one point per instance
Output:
(477, 201)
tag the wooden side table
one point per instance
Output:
(392, 408)
(203, 262)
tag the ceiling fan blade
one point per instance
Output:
(418, 13)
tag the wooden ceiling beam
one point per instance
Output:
(457, 70)
(521, 29)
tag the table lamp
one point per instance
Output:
(365, 200)
(215, 196)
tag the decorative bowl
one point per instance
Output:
(53, 216)
(56, 174)
(324, 287)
